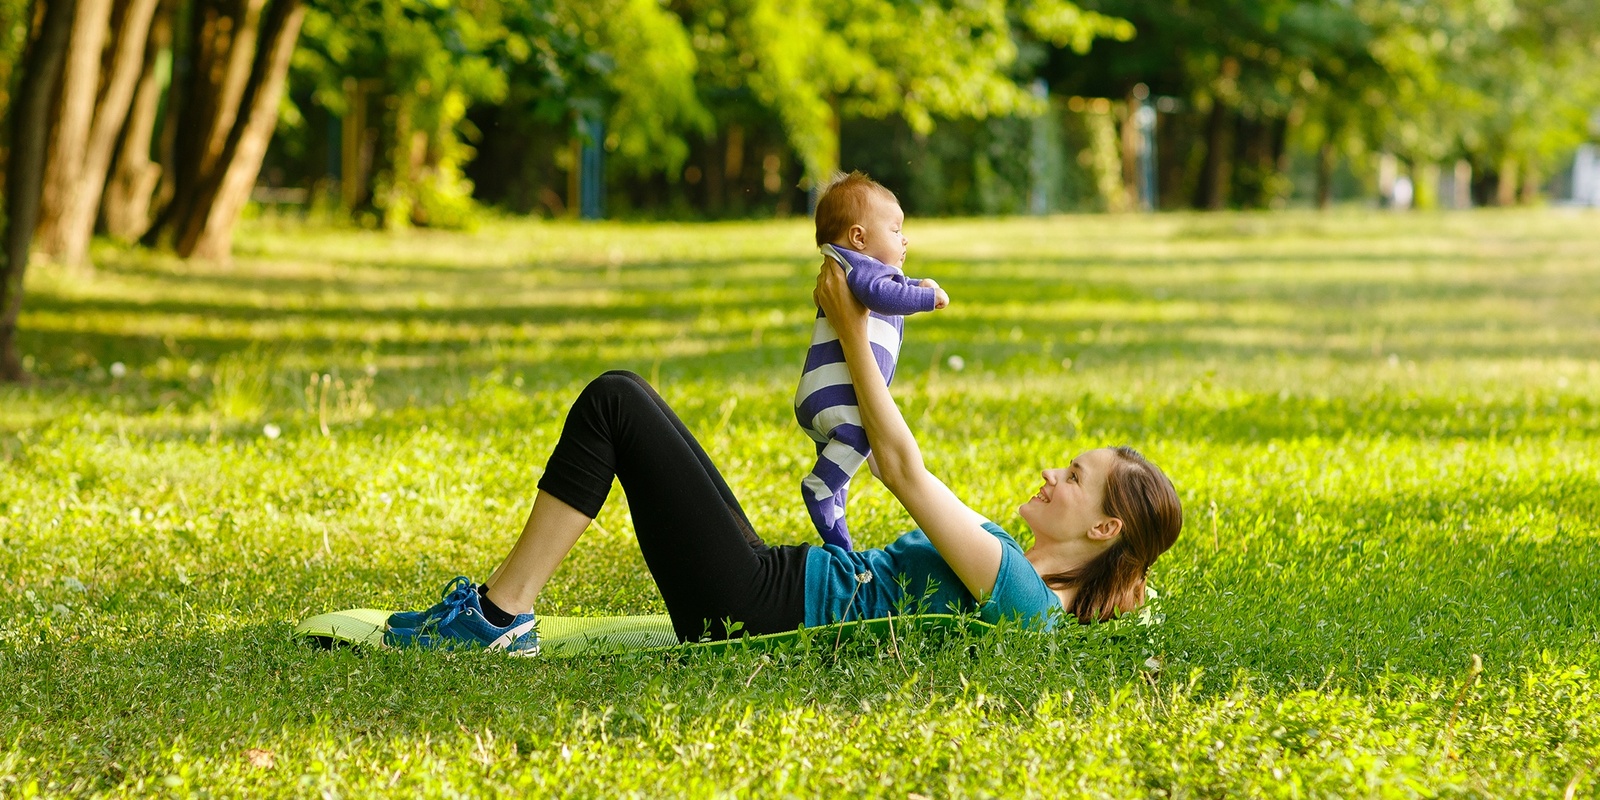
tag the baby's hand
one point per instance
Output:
(940, 297)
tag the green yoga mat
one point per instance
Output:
(569, 636)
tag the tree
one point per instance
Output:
(94, 104)
(227, 109)
(130, 188)
(29, 118)
(811, 62)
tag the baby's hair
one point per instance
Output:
(843, 203)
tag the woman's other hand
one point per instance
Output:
(838, 303)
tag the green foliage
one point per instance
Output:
(1490, 80)
(648, 92)
(815, 62)
(13, 41)
(425, 61)
(1383, 429)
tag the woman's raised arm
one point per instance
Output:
(954, 529)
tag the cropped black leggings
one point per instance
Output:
(706, 559)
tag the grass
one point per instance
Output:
(1384, 429)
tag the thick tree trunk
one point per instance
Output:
(80, 84)
(1530, 185)
(132, 184)
(82, 199)
(207, 232)
(222, 46)
(1506, 186)
(30, 117)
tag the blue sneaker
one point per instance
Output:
(457, 622)
(416, 619)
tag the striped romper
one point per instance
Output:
(825, 402)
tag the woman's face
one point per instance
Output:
(1071, 504)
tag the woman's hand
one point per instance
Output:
(838, 303)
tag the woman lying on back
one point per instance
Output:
(1098, 524)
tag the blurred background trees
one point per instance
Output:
(168, 114)
(164, 118)
(162, 121)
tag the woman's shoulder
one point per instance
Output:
(1019, 590)
(1002, 534)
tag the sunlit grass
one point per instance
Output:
(1383, 429)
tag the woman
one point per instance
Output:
(1098, 524)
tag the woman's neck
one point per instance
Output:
(1058, 557)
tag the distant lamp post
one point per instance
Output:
(1145, 118)
(1039, 154)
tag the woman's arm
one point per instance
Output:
(954, 529)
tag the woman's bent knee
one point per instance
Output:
(616, 383)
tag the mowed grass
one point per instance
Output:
(1384, 429)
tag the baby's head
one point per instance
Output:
(855, 211)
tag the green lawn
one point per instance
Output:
(1385, 430)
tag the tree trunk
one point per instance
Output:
(1132, 142)
(1325, 160)
(716, 189)
(1506, 185)
(80, 83)
(82, 199)
(132, 184)
(180, 86)
(222, 47)
(30, 117)
(1530, 185)
(1216, 174)
(207, 232)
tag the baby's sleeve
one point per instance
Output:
(883, 289)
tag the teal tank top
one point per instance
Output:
(909, 576)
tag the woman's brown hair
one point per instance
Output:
(1139, 494)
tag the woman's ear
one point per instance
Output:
(1106, 529)
(857, 237)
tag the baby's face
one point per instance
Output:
(881, 236)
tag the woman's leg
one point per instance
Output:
(553, 527)
(705, 558)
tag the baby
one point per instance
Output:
(858, 227)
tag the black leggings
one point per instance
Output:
(706, 559)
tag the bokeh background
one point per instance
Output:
(394, 113)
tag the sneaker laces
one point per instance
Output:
(458, 597)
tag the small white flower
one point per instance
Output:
(957, 363)
(119, 369)
(271, 431)
(863, 577)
